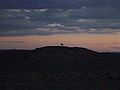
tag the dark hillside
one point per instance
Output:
(59, 68)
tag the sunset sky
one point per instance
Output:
(28, 24)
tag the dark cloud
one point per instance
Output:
(115, 47)
(19, 22)
(58, 3)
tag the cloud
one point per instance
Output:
(94, 13)
(41, 10)
(12, 41)
(27, 10)
(103, 31)
(52, 31)
(13, 10)
(55, 25)
(85, 20)
(115, 47)
(56, 21)
(58, 3)
(27, 17)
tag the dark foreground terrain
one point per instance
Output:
(59, 68)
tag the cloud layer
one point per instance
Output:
(20, 22)
(65, 4)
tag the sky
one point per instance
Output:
(27, 24)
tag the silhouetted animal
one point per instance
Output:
(62, 44)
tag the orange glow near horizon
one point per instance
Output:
(98, 42)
